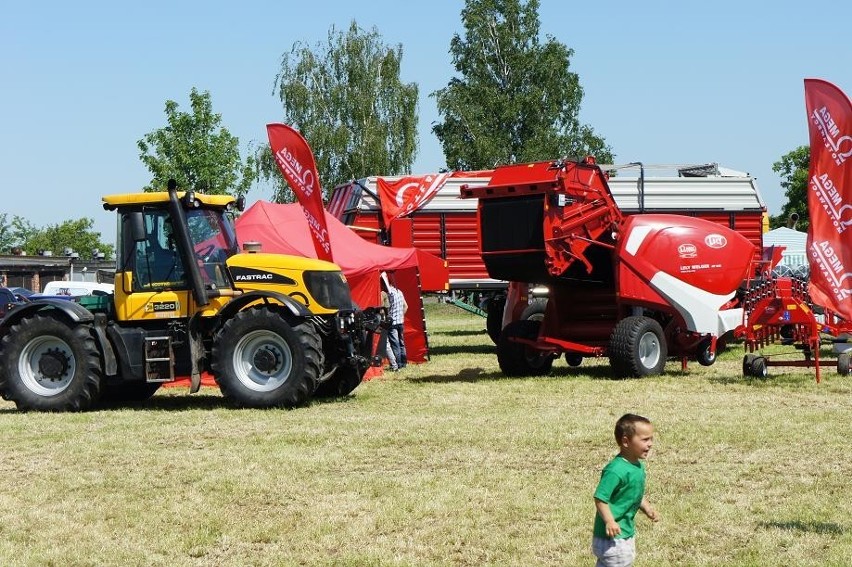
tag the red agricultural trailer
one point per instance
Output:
(447, 225)
(636, 288)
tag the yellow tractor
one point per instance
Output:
(273, 330)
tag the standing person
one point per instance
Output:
(621, 492)
(389, 354)
(396, 311)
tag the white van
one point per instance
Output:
(77, 289)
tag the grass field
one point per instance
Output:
(445, 463)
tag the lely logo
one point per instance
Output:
(715, 241)
(687, 251)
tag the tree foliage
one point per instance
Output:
(793, 168)
(74, 234)
(196, 151)
(347, 99)
(515, 99)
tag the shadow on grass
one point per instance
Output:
(461, 349)
(822, 528)
(170, 402)
(479, 375)
(458, 333)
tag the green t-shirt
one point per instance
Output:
(622, 486)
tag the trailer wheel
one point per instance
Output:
(637, 348)
(703, 354)
(517, 359)
(49, 365)
(748, 364)
(843, 360)
(535, 310)
(260, 361)
(494, 317)
(758, 367)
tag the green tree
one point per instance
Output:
(196, 151)
(346, 98)
(515, 99)
(15, 233)
(793, 168)
(74, 234)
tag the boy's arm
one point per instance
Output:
(612, 527)
(648, 510)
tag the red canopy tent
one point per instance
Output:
(282, 229)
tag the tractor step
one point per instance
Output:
(159, 359)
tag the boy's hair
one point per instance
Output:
(626, 425)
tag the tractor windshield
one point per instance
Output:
(213, 241)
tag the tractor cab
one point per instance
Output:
(172, 253)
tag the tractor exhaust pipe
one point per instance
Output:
(185, 248)
(792, 220)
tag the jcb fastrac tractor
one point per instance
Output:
(273, 330)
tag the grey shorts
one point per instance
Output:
(614, 552)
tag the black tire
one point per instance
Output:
(50, 365)
(535, 310)
(260, 361)
(703, 354)
(637, 348)
(758, 367)
(843, 360)
(748, 364)
(573, 359)
(342, 382)
(517, 359)
(129, 392)
(494, 317)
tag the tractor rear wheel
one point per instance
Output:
(260, 360)
(637, 348)
(50, 365)
(518, 359)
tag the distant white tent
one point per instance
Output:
(794, 258)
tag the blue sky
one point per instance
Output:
(665, 82)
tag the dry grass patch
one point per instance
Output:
(446, 463)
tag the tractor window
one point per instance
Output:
(214, 241)
(157, 264)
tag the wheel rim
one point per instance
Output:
(263, 361)
(47, 366)
(649, 350)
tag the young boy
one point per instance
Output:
(621, 492)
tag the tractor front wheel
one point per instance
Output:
(50, 365)
(637, 348)
(260, 360)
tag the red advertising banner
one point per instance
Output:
(406, 195)
(296, 162)
(830, 196)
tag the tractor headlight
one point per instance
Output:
(329, 289)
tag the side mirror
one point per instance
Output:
(241, 203)
(137, 226)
